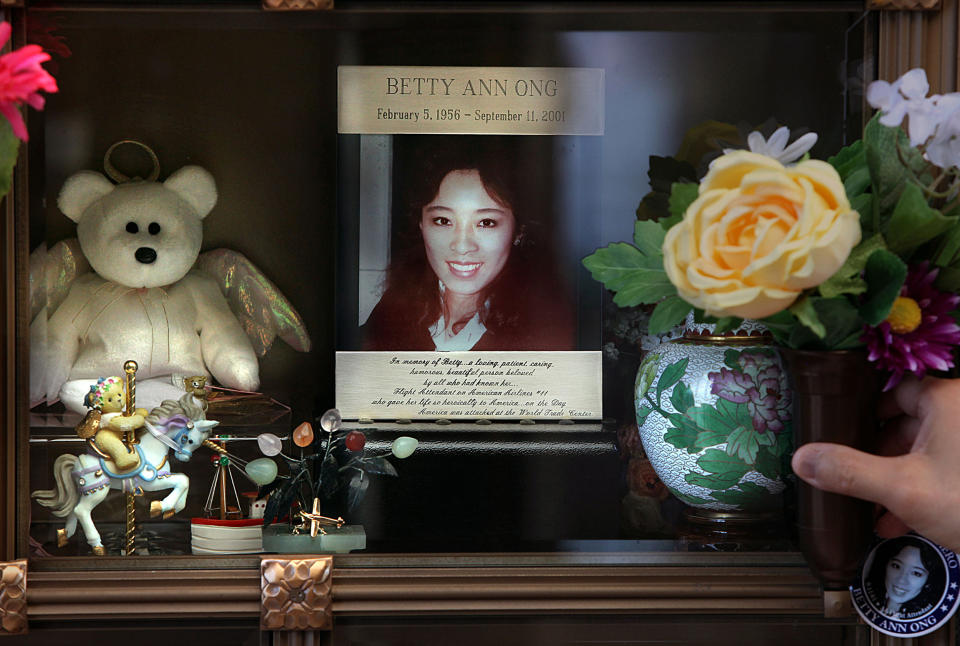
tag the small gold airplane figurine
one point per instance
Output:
(318, 522)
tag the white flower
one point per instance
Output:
(944, 149)
(895, 100)
(776, 146)
(907, 97)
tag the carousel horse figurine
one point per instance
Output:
(83, 481)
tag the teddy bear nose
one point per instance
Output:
(146, 255)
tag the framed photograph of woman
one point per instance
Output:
(463, 216)
(469, 244)
(472, 259)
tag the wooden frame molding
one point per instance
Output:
(297, 5)
(296, 594)
(926, 39)
(904, 5)
(157, 594)
(575, 590)
(13, 597)
(399, 585)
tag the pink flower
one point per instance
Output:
(920, 334)
(21, 79)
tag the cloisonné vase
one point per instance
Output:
(714, 418)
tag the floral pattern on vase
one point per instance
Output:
(715, 423)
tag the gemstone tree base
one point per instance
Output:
(278, 538)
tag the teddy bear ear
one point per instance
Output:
(80, 191)
(196, 186)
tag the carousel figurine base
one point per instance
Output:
(278, 538)
(733, 530)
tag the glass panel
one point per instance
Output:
(251, 96)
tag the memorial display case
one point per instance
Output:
(264, 158)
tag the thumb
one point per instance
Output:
(844, 470)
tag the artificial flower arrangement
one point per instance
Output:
(21, 81)
(862, 250)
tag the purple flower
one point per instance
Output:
(758, 386)
(919, 334)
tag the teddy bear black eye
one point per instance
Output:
(132, 227)
(154, 228)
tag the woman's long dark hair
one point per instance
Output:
(525, 295)
(876, 583)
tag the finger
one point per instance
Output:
(845, 470)
(898, 435)
(890, 526)
(902, 400)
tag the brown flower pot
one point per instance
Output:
(835, 397)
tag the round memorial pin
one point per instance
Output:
(909, 586)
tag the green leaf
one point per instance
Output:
(9, 146)
(715, 481)
(947, 252)
(733, 412)
(356, 489)
(864, 205)
(885, 274)
(633, 277)
(766, 438)
(752, 488)
(726, 323)
(731, 360)
(682, 436)
(913, 222)
(671, 375)
(682, 195)
(780, 325)
(706, 439)
(847, 280)
(768, 463)
(329, 480)
(849, 159)
(668, 314)
(743, 443)
(717, 462)
(643, 412)
(884, 148)
(381, 466)
(806, 313)
(682, 398)
(857, 182)
(783, 445)
(840, 320)
(648, 237)
(749, 499)
(948, 280)
(645, 375)
(664, 172)
(687, 498)
(709, 418)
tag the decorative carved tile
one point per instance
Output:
(298, 5)
(295, 594)
(904, 5)
(13, 597)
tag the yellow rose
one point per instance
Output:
(758, 234)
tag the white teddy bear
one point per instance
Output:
(150, 299)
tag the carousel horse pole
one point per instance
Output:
(130, 368)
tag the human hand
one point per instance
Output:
(916, 477)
